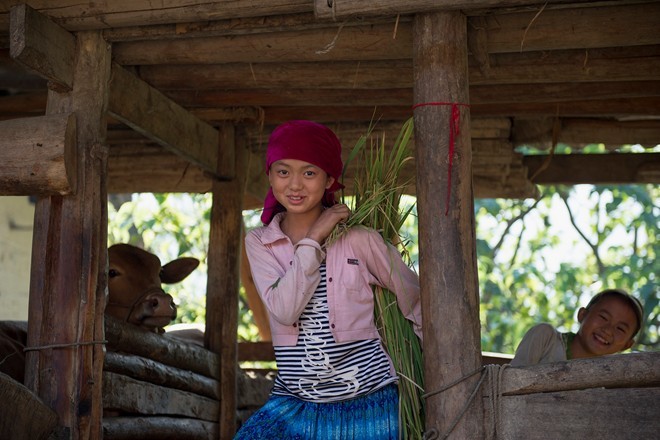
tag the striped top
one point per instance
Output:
(318, 369)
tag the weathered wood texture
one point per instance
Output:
(616, 371)
(612, 414)
(223, 283)
(39, 44)
(167, 350)
(38, 155)
(150, 113)
(24, 415)
(129, 395)
(595, 168)
(67, 282)
(450, 304)
(158, 428)
(185, 378)
(80, 16)
(157, 373)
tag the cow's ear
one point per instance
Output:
(177, 270)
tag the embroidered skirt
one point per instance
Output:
(370, 417)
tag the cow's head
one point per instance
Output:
(135, 294)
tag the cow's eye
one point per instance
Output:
(113, 273)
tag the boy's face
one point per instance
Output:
(607, 327)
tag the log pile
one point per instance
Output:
(160, 387)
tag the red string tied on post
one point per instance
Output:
(454, 130)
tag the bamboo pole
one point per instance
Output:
(448, 267)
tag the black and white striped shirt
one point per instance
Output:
(318, 369)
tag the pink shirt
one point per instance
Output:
(286, 278)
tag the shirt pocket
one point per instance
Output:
(352, 279)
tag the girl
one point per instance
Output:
(335, 380)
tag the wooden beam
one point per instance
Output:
(333, 43)
(516, 68)
(157, 117)
(345, 8)
(616, 371)
(552, 30)
(69, 253)
(577, 132)
(596, 169)
(223, 284)
(39, 155)
(40, 45)
(158, 427)
(450, 303)
(479, 94)
(80, 16)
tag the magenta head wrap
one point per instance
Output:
(307, 141)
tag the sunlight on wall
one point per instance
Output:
(16, 219)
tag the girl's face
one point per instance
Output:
(299, 186)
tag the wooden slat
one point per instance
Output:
(374, 42)
(40, 45)
(169, 351)
(609, 414)
(621, 370)
(38, 155)
(148, 370)
(597, 169)
(158, 428)
(150, 113)
(518, 68)
(587, 28)
(75, 16)
(122, 393)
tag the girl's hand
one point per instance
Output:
(327, 222)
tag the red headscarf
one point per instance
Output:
(310, 142)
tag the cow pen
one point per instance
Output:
(180, 99)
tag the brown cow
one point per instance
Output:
(135, 294)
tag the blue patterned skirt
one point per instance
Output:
(370, 417)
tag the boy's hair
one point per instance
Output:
(633, 302)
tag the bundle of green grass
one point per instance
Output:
(376, 204)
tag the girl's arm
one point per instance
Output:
(285, 287)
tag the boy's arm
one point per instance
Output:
(541, 344)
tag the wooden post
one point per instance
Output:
(448, 264)
(68, 285)
(224, 275)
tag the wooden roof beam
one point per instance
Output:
(617, 64)
(76, 16)
(335, 9)
(150, 113)
(595, 169)
(584, 28)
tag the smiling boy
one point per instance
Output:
(608, 325)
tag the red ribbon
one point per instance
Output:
(454, 130)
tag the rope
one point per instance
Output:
(454, 130)
(493, 375)
(71, 344)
